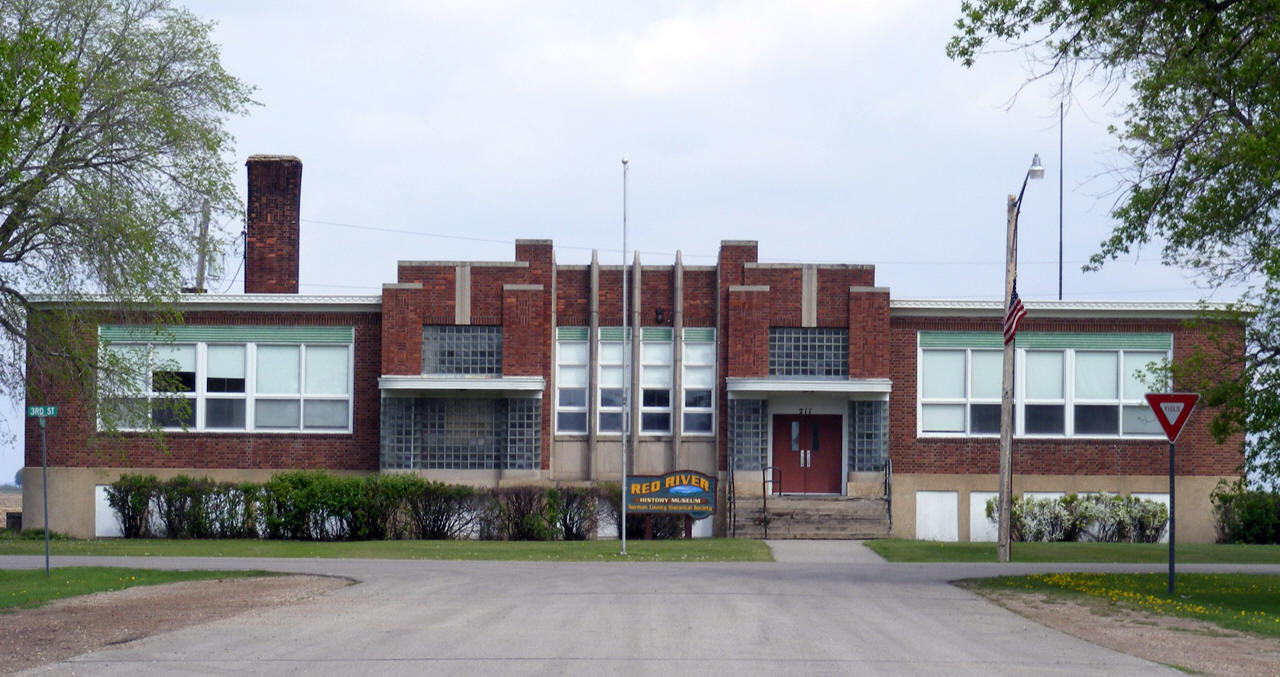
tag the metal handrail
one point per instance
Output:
(766, 478)
(888, 490)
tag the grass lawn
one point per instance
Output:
(694, 550)
(896, 550)
(27, 588)
(1249, 602)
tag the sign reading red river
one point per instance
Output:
(684, 492)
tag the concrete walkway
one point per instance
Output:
(823, 608)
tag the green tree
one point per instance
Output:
(1201, 133)
(112, 137)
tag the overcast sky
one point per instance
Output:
(827, 131)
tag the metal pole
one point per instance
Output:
(1061, 163)
(626, 353)
(1006, 389)
(44, 492)
(1172, 504)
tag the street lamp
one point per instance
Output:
(1012, 310)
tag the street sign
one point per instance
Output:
(42, 412)
(1172, 410)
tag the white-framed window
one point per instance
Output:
(697, 382)
(960, 391)
(1058, 392)
(612, 377)
(572, 361)
(236, 387)
(655, 380)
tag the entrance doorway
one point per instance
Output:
(807, 453)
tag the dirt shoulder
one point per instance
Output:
(1183, 643)
(71, 627)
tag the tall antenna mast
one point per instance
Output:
(202, 245)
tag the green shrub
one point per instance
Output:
(441, 511)
(1242, 515)
(1092, 517)
(182, 506)
(130, 499)
(520, 514)
(578, 509)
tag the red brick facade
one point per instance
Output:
(271, 239)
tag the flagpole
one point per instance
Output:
(1013, 314)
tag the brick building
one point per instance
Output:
(806, 384)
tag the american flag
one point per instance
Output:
(1017, 311)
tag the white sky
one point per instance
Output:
(828, 131)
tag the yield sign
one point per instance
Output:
(1172, 410)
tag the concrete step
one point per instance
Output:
(812, 517)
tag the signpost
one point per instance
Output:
(1172, 411)
(42, 413)
(683, 492)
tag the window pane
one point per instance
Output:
(173, 369)
(984, 418)
(573, 377)
(611, 353)
(656, 398)
(226, 361)
(125, 413)
(1044, 419)
(278, 370)
(573, 397)
(1136, 388)
(655, 353)
(174, 413)
(1140, 420)
(571, 421)
(942, 418)
(126, 357)
(655, 423)
(699, 377)
(697, 398)
(573, 352)
(655, 376)
(700, 353)
(276, 414)
(327, 371)
(611, 397)
(944, 374)
(1044, 375)
(1096, 375)
(697, 423)
(610, 422)
(1097, 419)
(225, 370)
(610, 377)
(328, 414)
(224, 414)
(987, 371)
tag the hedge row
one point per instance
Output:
(1244, 515)
(1099, 517)
(313, 505)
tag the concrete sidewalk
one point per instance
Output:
(823, 552)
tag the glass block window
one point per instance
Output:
(868, 435)
(796, 351)
(656, 358)
(461, 434)
(749, 433)
(572, 358)
(462, 350)
(226, 387)
(698, 381)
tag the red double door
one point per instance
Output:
(807, 453)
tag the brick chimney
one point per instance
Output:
(271, 241)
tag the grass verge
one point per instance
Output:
(1249, 602)
(694, 550)
(896, 550)
(28, 588)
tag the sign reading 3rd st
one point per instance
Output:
(42, 412)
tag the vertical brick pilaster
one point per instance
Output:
(869, 340)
